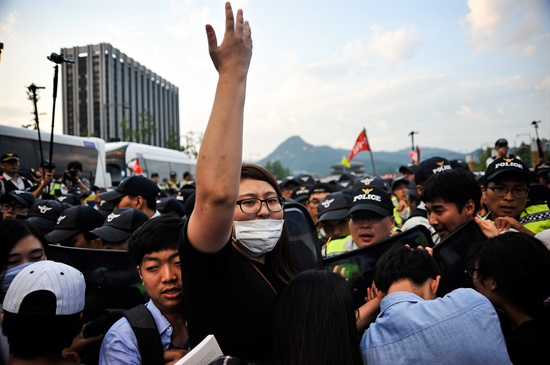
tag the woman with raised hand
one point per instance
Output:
(235, 254)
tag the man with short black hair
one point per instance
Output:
(154, 249)
(424, 170)
(452, 198)
(415, 327)
(72, 178)
(136, 192)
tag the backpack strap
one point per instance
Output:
(147, 334)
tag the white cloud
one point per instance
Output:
(543, 84)
(467, 112)
(395, 46)
(505, 25)
(192, 24)
(8, 24)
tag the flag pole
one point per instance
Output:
(370, 151)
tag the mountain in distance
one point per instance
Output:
(301, 157)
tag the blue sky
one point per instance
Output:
(461, 73)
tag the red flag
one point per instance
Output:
(137, 168)
(362, 144)
(414, 157)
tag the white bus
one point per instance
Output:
(121, 158)
(90, 151)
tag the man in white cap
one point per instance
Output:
(42, 310)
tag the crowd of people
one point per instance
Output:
(213, 255)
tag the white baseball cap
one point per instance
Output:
(64, 281)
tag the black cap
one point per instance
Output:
(334, 207)
(173, 174)
(170, 205)
(44, 214)
(22, 197)
(106, 207)
(134, 185)
(9, 157)
(320, 188)
(301, 193)
(511, 165)
(69, 199)
(501, 143)
(409, 169)
(398, 182)
(430, 167)
(73, 220)
(542, 169)
(119, 225)
(373, 199)
(371, 181)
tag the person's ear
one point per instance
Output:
(434, 285)
(138, 269)
(469, 207)
(139, 202)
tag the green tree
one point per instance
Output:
(482, 158)
(145, 127)
(277, 169)
(191, 143)
(173, 141)
(524, 152)
(127, 132)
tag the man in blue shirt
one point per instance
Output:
(415, 327)
(154, 247)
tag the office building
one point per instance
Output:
(109, 95)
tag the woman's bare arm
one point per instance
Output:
(220, 156)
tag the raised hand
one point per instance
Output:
(235, 51)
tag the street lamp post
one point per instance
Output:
(535, 124)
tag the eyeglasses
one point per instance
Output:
(360, 218)
(333, 223)
(470, 271)
(313, 202)
(253, 205)
(15, 207)
(516, 192)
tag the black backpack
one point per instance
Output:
(143, 324)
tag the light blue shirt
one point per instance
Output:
(460, 328)
(120, 345)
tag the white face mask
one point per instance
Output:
(10, 274)
(258, 237)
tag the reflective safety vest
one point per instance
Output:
(55, 187)
(336, 246)
(535, 218)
